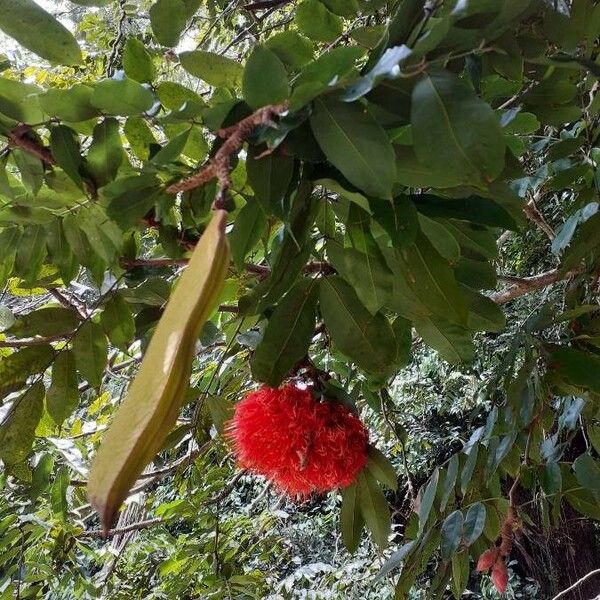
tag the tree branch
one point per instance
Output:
(577, 584)
(525, 285)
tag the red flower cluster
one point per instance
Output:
(300, 444)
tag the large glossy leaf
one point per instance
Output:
(474, 522)
(288, 334)
(168, 18)
(106, 152)
(39, 31)
(137, 61)
(215, 69)
(270, 177)
(355, 144)
(367, 339)
(122, 97)
(454, 132)
(249, 226)
(317, 22)
(265, 79)
(368, 274)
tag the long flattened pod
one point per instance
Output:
(154, 399)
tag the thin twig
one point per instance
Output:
(577, 584)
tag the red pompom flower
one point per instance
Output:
(299, 443)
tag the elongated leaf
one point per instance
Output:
(215, 69)
(381, 468)
(91, 348)
(31, 253)
(168, 18)
(270, 177)
(265, 79)
(106, 152)
(355, 144)
(17, 431)
(453, 342)
(374, 509)
(137, 61)
(117, 321)
(588, 472)
(449, 481)
(474, 522)
(454, 132)
(63, 395)
(427, 498)
(288, 334)
(17, 367)
(367, 339)
(49, 321)
(452, 532)
(122, 97)
(351, 520)
(249, 227)
(39, 31)
(65, 150)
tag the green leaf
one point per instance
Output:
(381, 468)
(460, 573)
(17, 367)
(587, 471)
(270, 178)
(474, 522)
(31, 169)
(453, 342)
(20, 101)
(367, 339)
(455, 134)
(122, 97)
(468, 469)
(316, 21)
(137, 61)
(139, 136)
(117, 321)
(292, 48)
(368, 274)
(73, 104)
(216, 70)
(593, 432)
(441, 239)
(249, 227)
(351, 520)
(31, 253)
(91, 349)
(265, 79)
(39, 31)
(449, 481)
(59, 251)
(288, 334)
(221, 411)
(104, 236)
(58, 494)
(106, 152)
(49, 321)
(395, 560)
(484, 313)
(63, 396)
(452, 532)
(427, 496)
(356, 145)
(168, 19)
(432, 281)
(577, 367)
(65, 149)
(17, 431)
(374, 508)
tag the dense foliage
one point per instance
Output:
(412, 191)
